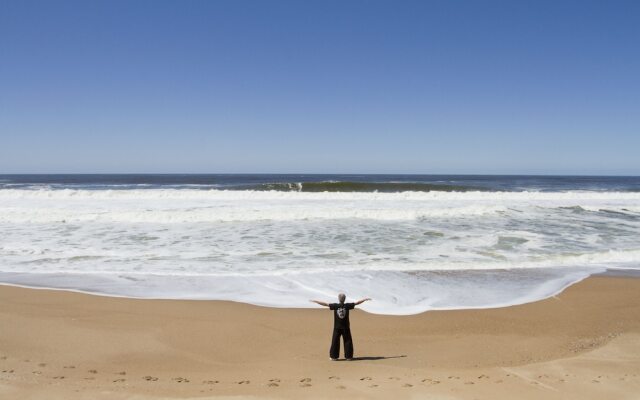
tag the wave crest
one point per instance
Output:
(354, 186)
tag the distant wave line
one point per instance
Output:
(354, 186)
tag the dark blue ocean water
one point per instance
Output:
(316, 182)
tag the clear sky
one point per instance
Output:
(320, 86)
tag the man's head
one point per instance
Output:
(342, 297)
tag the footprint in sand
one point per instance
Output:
(469, 383)
(58, 377)
(181, 380)
(121, 373)
(365, 378)
(91, 378)
(210, 382)
(273, 384)
(341, 387)
(334, 377)
(430, 381)
(26, 360)
(3, 358)
(36, 372)
(407, 385)
(304, 382)
(373, 386)
(8, 371)
(119, 380)
(274, 380)
(150, 378)
(243, 382)
(69, 366)
(483, 376)
(93, 371)
(395, 378)
(42, 365)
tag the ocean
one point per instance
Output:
(411, 242)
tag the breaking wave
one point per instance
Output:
(383, 187)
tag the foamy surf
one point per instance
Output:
(396, 293)
(412, 251)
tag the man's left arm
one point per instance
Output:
(357, 303)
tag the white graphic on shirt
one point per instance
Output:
(342, 312)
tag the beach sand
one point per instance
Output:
(581, 344)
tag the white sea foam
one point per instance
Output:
(177, 206)
(438, 249)
(189, 194)
(395, 293)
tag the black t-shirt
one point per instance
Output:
(341, 314)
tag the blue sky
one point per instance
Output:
(511, 87)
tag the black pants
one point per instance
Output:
(334, 352)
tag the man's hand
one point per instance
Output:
(362, 301)
(321, 303)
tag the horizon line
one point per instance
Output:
(327, 173)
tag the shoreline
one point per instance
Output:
(64, 345)
(28, 282)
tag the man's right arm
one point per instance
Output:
(321, 303)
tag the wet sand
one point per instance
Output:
(581, 344)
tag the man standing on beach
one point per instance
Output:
(341, 326)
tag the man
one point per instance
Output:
(341, 326)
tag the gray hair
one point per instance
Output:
(342, 297)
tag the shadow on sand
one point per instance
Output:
(371, 358)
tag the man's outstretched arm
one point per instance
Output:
(321, 303)
(361, 301)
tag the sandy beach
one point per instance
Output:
(188, 188)
(581, 344)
